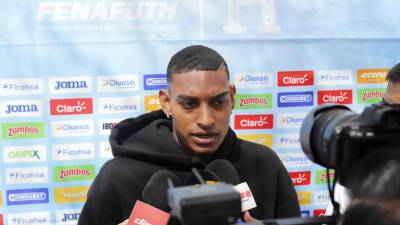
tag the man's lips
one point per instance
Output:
(204, 138)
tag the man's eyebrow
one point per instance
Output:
(185, 98)
(219, 95)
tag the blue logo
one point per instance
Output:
(70, 217)
(70, 84)
(21, 108)
(305, 214)
(154, 81)
(294, 99)
(28, 196)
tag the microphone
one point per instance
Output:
(227, 172)
(155, 191)
(208, 176)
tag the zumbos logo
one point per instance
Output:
(155, 81)
(22, 130)
(73, 173)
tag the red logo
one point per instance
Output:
(71, 106)
(295, 78)
(262, 121)
(301, 178)
(335, 96)
(1, 219)
(145, 214)
(319, 212)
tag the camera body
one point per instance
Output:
(335, 137)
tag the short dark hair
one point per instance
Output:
(394, 74)
(196, 57)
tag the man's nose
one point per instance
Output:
(205, 117)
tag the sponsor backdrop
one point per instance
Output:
(70, 70)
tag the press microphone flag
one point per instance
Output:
(145, 214)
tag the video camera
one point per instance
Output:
(353, 144)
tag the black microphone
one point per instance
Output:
(224, 170)
(207, 176)
(155, 191)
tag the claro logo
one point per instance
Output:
(335, 96)
(262, 121)
(71, 106)
(301, 178)
(295, 78)
(141, 221)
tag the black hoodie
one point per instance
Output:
(145, 144)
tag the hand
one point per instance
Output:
(248, 218)
(125, 222)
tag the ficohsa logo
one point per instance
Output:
(26, 175)
(29, 218)
(261, 121)
(12, 87)
(73, 151)
(295, 78)
(291, 140)
(335, 97)
(119, 104)
(23, 108)
(371, 76)
(334, 77)
(64, 85)
(72, 106)
(118, 83)
(253, 80)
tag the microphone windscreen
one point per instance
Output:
(224, 170)
(206, 175)
(155, 191)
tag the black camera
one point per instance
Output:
(335, 137)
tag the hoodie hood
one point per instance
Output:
(149, 138)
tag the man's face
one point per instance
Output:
(200, 103)
(392, 95)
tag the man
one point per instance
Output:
(391, 97)
(193, 123)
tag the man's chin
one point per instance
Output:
(204, 149)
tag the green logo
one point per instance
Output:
(73, 173)
(370, 95)
(22, 130)
(253, 101)
(321, 178)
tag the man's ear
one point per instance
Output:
(232, 94)
(163, 96)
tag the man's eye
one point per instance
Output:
(189, 104)
(220, 102)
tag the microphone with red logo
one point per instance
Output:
(228, 174)
(154, 210)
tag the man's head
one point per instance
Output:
(199, 98)
(392, 95)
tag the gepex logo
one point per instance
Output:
(22, 130)
(253, 80)
(335, 97)
(71, 128)
(73, 173)
(334, 77)
(267, 11)
(371, 76)
(261, 121)
(12, 87)
(301, 178)
(68, 217)
(29, 218)
(294, 99)
(119, 104)
(66, 85)
(155, 81)
(72, 106)
(27, 196)
(19, 154)
(117, 83)
(253, 101)
(294, 159)
(23, 108)
(370, 95)
(290, 120)
(73, 151)
(295, 78)
(26, 175)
